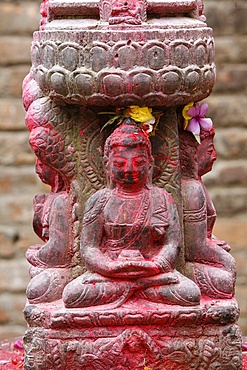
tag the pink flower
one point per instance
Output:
(198, 120)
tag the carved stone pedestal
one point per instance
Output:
(127, 254)
(136, 335)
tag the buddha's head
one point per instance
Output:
(206, 153)
(49, 176)
(127, 156)
(196, 159)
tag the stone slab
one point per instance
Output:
(129, 337)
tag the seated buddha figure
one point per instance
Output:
(50, 262)
(208, 261)
(206, 156)
(126, 11)
(131, 233)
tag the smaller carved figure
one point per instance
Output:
(208, 262)
(123, 11)
(51, 262)
(206, 156)
(131, 233)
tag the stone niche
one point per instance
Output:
(94, 57)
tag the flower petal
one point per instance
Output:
(186, 122)
(198, 139)
(185, 111)
(206, 123)
(139, 114)
(194, 126)
(194, 111)
(203, 109)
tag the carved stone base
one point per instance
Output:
(107, 338)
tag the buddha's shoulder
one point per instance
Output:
(191, 187)
(96, 202)
(160, 192)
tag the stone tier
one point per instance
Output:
(163, 62)
(134, 335)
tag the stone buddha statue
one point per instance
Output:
(208, 262)
(131, 233)
(50, 263)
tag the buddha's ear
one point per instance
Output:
(109, 181)
(106, 169)
(105, 163)
(150, 170)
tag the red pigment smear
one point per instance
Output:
(11, 354)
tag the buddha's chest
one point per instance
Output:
(125, 210)
(133, 221)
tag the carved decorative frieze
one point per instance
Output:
(162, 69)
(129, 339)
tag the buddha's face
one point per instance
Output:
(206, 155)
(44, 172)
(129, 167)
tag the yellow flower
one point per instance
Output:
(138, 114)
(147, 368)
(187, 118)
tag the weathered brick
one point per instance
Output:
(227, 110)
(12, 331)
(231, 49)
(240, 16)
(26, 238)
(12, 115)
(229, 201)
(233, 231)
(242, 321)
(11, 79)
(15, 50)
(8, 236)
(231, 78)
(13, 275)
(226, 17)
(241, 267)
(227, 173)
(20, 17)
(231, 143)
(21, 181)
(11, 307)
(15, 149)
(241, 298)
(16, 209)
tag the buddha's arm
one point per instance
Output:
(95, 260)
(99, 262)
(166, 258)
(194, 220)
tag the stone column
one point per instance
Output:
(91, 58)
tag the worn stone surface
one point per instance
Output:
(111, 242)
(227, 109)
(184, 344)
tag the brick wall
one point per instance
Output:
(227, 182)
(18, 182)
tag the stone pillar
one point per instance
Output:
(90, 59)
